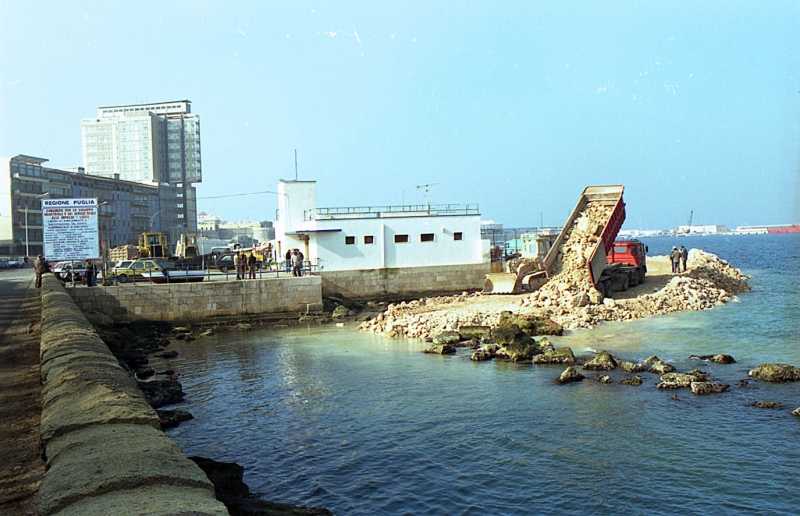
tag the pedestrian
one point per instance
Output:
(243, 264)
(684, 257)
(237, 266)
(40, 267)
(251, 264)
(675, 259)
(297, 263)
(90, 274)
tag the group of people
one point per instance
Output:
(245, 265)
(294, 258)
(678, 259)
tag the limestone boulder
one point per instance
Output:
(631, 367)
(559, 356)
(708, 387)
(634, 380)
(570, 375)
(717, 359)
(602, 362)
(450, 338)
(767, 404)
(775, 373)
(659, 367)
(440, 349)
(482, 333)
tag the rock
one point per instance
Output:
(209, 332)
(560, 356)
(569, 375)
(767, 404)
(145, 372)
(171, 418)
(167, 354)
(523, 348)
(162, 392)
(531, 325)
(743, 383)
(630, 367)
(447, 337)
(775, 373)
(504, 335)
(440, 349)
(659, 367)
(634, 380)
(652, 360)
(602, 362)
(545, 345)
(481, 354)
(231, 490)
(342, 311)
(482, 333)
(604, 378)
(681, 380)
(181, 329)
(796, 412)
(708, 387)
(717, 359)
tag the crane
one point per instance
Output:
(427, 187)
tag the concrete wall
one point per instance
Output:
(194, 301)
(103, 446)
(413, 281)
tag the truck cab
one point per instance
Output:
(631, 252)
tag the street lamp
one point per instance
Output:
(27, 249)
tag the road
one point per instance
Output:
(21, 466)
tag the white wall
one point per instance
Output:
(331, 253)
(6, 209)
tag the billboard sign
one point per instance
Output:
(70, 229)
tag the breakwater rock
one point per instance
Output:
(565, 301)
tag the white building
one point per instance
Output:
(365, 252)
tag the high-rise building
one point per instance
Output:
(156, 144)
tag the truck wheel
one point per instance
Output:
(641, 275)
(624, 283)
(633, 279)
(122, 278)
(605, 288)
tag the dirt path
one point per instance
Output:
(659, 272)
(21, 466)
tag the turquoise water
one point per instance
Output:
(362, 424)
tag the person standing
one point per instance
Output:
(40, 267)
(684, 257)
(297, 263)
(251, 265)
(237, 265)
(675, 259)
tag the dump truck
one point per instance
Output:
(610, 265)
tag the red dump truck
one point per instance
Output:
(611, 265)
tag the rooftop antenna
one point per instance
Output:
(427, 188)
(295, 164)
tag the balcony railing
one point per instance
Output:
(418, 210)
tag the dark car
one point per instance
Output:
(225, 263)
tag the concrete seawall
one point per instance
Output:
(196, 301)
(104, 449)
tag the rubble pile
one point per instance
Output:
(568, 298)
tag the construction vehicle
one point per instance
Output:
(186, 249)
(533, 248)
(610, 265)
(153, 245)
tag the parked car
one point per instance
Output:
(15, 263)
(64, 272)
(4, 263)
(134, 269)
(225, 264)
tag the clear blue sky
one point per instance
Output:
(515, 105)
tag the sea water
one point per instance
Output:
(362, 424)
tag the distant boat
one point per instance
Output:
(792, 228)
(174, 276)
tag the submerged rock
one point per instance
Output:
(171, 418)
(602, 362)
(440, 349)
(570, 375)
(775, 373)
(767, 404)
(604, 378)
(559, 356)
(162, 392)
(634, 380)
(717, 359)
(708, 387)
(681, 380)
(630, 367)
(447, 337)
(659, 367)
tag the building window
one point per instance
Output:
(349, 240)
(458, 235)
(369, 239)
(426, 237)
(401, 239)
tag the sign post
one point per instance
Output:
(70, 230)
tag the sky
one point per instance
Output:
(514, 106)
